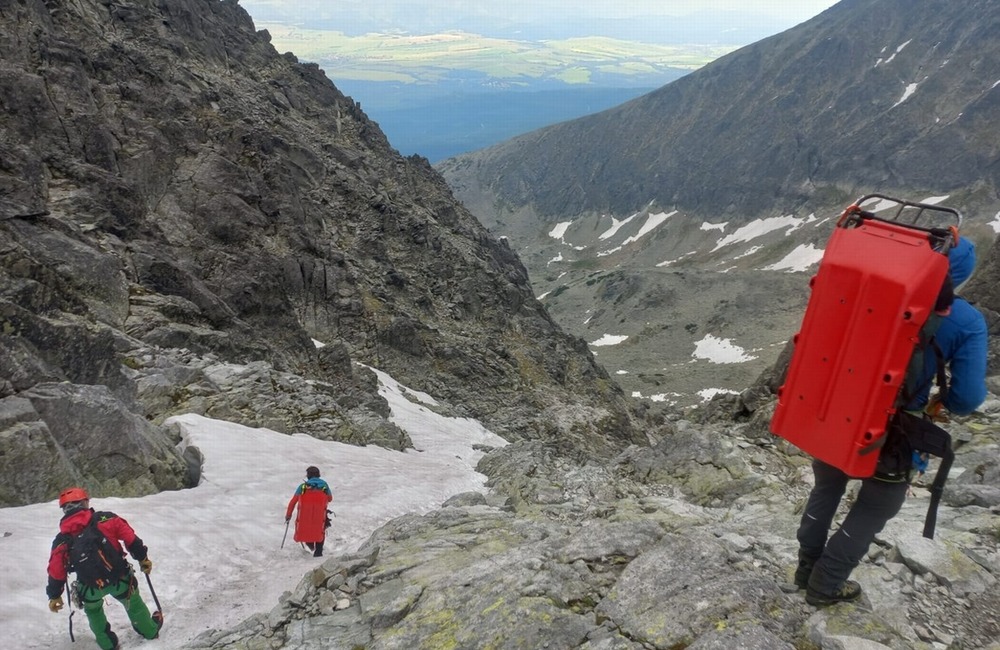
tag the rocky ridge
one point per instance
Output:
(690, 544)
(175, 195)
(808, 118)
(788, 130)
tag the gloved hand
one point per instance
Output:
(920, 461)
(55, 604)
(935, 410)
(287, 519)
(146, 566)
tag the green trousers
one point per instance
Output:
(125, 592)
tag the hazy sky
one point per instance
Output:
(784, 9)
(479, 16)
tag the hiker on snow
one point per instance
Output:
(311, 522)
(824, 566)
(89, 544)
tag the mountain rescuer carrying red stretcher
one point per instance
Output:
(882, 323)
(311, 522)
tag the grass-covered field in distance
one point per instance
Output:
(428, 58)
(440, 95)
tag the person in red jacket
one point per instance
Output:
(101, 567)
(312, 496)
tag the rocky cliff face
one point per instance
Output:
(175, 194)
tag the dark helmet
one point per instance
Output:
(312, 472)
(73, 499)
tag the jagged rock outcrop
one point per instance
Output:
(173, 191)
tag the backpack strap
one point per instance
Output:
(928, 437)
(924, 436)
(937, 489)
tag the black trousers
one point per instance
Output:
(836, 556)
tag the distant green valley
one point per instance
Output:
(434, 58)
(444, 94)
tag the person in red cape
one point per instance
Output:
(312, 497)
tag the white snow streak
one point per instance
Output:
(652, 221)
(609, 339)
(718, 350)
(759, 228)
(560, 230)
(800, 259)
(615, 226)
(910, 89)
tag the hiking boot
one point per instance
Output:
(848, 592)
(802, 573)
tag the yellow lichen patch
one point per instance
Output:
(440, 630)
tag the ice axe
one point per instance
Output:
(73, 596)
(287, 521)
(71, 612)
(153, 591)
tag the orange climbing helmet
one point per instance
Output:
(71, 495)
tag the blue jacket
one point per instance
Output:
(963, 340)
(315, 483)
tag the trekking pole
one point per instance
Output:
(153, 591)
(287, 521)
(73, 595)
(71, 612)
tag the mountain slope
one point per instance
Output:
(175, 194)
(838, 104)
(735, 174)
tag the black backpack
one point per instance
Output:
(96, 560)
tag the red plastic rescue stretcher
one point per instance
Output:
(875, 288)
